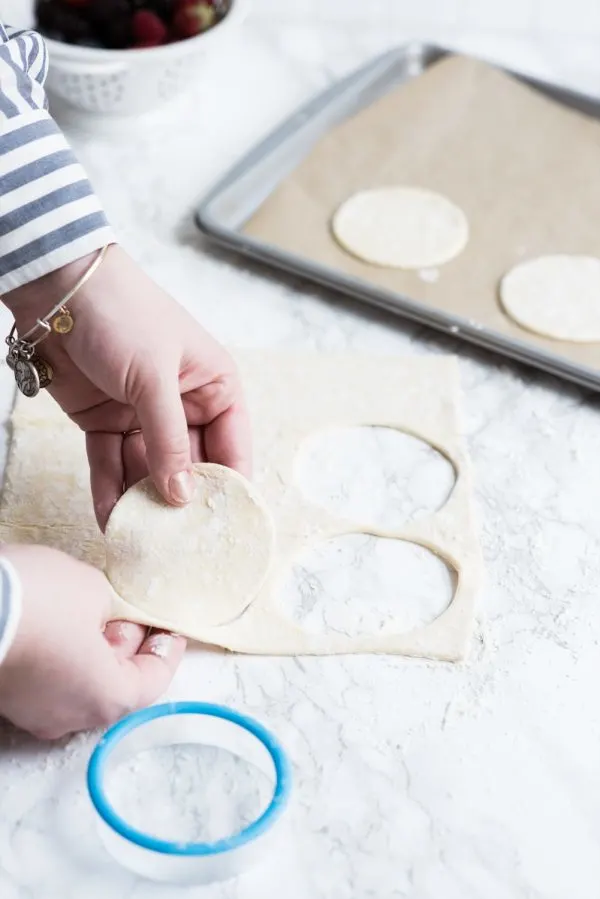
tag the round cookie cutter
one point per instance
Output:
(177, 723)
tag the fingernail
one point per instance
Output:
(182, 487)
(118, 631)
(159, 645)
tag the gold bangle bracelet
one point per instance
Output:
(31, 372)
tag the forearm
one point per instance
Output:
(35, 298)
(49, 214)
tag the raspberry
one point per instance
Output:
(192, 19)
(149, 30)
(163, 8)
(118, 24)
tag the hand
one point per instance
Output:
(63, 673)
(135, 359)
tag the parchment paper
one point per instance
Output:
(525, 170)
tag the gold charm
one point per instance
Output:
(63, 322)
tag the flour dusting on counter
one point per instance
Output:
(188, 793)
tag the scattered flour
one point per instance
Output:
(188, 792)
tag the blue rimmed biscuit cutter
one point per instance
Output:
(180, 723)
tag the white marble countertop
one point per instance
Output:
(413, 779)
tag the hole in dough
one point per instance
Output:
(401, 227)
(196, 566)
(355, 584)
(555, 296)
(374, 475)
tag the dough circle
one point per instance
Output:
(555, 296)
(197, 566)
(401, 227)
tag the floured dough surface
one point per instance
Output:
(556, 296)
(181, 571)
(199, 565)
(401, 227)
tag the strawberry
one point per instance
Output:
(149, 30)
(193, 18)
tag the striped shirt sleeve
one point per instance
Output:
(49, 214)
(10, 606)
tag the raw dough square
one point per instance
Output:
(46, 494)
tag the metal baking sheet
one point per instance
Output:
(236, 197)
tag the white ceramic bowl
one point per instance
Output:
(124, 82)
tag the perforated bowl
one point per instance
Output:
(125, 82)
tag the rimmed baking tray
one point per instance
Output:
(233, 201)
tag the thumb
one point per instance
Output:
(161, 417)
(132, 678)
(149, 672)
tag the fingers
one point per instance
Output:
(135, 464)
(104, 452)
(151, 669)
(130, 673)
(218, 406)
(196, 445)
(162, 419)
(227, 440)
(125, 637)
(134, 455)
(165, 448)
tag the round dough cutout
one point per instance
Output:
(196, 566)
(401, 227)
(555, 296)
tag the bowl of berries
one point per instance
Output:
(125, 57)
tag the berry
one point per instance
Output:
(102, 12)
(162, 8)
(183, 4)
(149, 30)
(112, 22)
(192, 19)
(63, 23)
(118, 24)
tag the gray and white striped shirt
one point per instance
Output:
(49, 214)
(10, 606)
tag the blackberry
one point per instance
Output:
(162, 8)
(62, 23)
(100, 12)
(111, 22)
